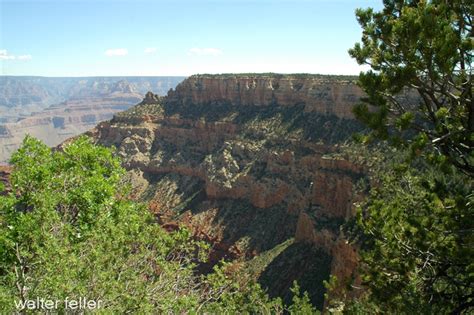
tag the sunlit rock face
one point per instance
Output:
(253, 164)
(321, 94)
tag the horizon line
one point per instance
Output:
(177, 75)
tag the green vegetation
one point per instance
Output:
(259, 263)
(282, 123)
(416, 227)
(68, 230)
(415, 230)
(427, 47)
(142, 109)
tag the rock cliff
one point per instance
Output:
(251, 163)
(321, 94)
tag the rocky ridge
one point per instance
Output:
(328, 95)
(252, 164)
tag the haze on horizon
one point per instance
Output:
(179, 38)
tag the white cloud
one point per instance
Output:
(5, 56)
(24, 57)
(205, 52)
(116, 52)
(150, 50)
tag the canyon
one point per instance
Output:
(253, 164)
(54, 109)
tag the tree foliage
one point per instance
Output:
(416, 227)
(421, 50)
(416, 235)
(69, 230)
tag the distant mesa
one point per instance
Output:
(124, 86)
(54, 109)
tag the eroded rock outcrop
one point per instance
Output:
(321, 94)
(248, 161)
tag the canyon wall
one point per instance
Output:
(20, 96)
(54, 109)
(61, 121)
(253, 164)
(321, 94)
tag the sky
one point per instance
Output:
(180, 37)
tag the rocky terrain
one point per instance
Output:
(54, 109)
(318, 94)
(20, 96)
(252, 164)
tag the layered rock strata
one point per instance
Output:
(54, 109)
(322, 94)
(249, 162)
(59, 122)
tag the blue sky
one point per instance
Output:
(180, 37)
